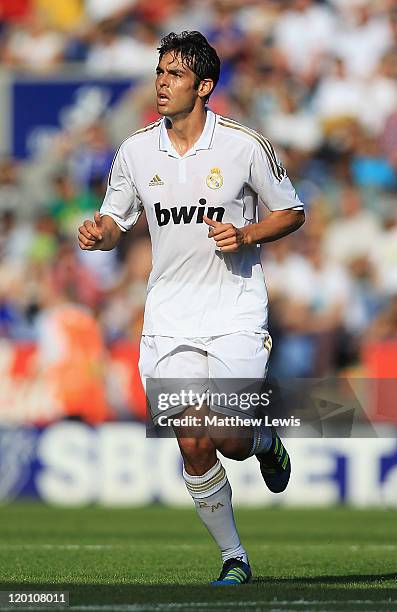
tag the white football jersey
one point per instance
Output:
(194, 289)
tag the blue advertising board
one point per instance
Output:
(72, 464)
(41, 107)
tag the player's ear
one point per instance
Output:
(205, 87)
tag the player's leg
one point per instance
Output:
(207, 483)
(243, 356)
(267, 446)
(205, 478)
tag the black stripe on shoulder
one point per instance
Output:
(276, 167)
(114, 159)
(147, 128)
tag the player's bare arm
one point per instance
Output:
(277, 224)
(101, 234)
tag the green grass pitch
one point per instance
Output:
(156, 558)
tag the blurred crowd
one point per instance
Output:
(319, 79)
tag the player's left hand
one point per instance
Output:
(228, 238)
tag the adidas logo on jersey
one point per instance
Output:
(156, 181)
(188, 214)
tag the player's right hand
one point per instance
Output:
(91, 233)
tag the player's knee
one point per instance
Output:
(234, 448)
(197, 452)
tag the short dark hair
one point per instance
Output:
(196, 53)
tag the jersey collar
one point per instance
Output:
(204, 142)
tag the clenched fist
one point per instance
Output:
(229, 239)
(91, 233)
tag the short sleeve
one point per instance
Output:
(121, 201)
(269, 179)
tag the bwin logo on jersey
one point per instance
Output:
(188, 214)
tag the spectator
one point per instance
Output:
(303, 34)
(113, 53)
(126, 299)
(383, 254)
(293, 127)
(313, 315)
(43, 246)
(74, 279)
(338, 96)
(184, 14)
(384, 327)
(64, 15)
(71, 354)
(354, 232)
(69, 207)
(33, 46)
(370, 168)
(225, 34)
(12, 195)
(101, 10)
(380, 92)
(15, 238)
(362, 40)
(389, 139)
(282, 264)
(91, 157)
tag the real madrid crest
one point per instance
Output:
(215, 178)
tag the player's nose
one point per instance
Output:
(162, 81)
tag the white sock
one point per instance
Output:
(262, 440)
(212, 496)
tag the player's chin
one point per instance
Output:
(162, 109)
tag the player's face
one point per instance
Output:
(175, 87)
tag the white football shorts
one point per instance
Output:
(201, 362)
